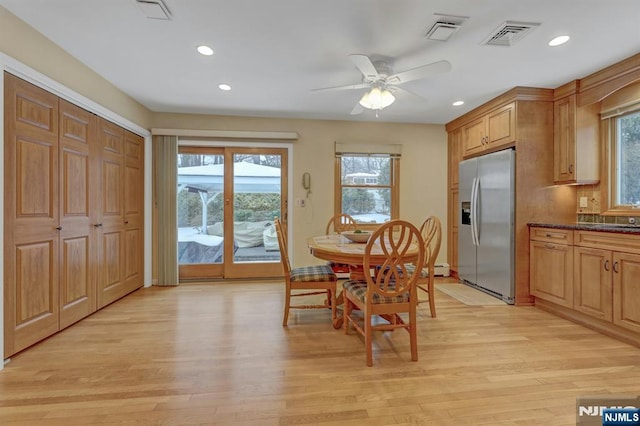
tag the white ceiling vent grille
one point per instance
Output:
(445, 26)
(509, 33)
(154, 9)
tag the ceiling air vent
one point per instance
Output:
(154, 9)
(509, 33)
(445, 26)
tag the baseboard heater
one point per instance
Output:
(442, 269)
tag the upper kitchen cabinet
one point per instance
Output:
(575, 137)
(489, 132)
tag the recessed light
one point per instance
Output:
(559, 40)
(224, 87)
(458, 103)
(205, 50)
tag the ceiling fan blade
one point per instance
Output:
(357, 109)
(418, 73)
(347, 87)
(396, 89)
(365, 66)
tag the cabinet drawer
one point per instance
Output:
(629, 243)
(552, 235)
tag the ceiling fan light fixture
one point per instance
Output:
(377, 99)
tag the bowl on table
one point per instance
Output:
(357, 237)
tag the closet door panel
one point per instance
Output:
(35, 180)
(133, 210)
(111, 282)
(31, 218)
(76, 295)
(77, 214)
(111, 279)
(36, 295)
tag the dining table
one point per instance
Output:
(338, 248)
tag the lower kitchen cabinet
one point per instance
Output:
(589, 277)
(552, 272)
(626, 291)
(551, 265)
(592, 282)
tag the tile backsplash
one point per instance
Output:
(591, 213)
(596, 218)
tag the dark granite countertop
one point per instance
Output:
(599, 227)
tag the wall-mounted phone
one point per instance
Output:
(306, 182)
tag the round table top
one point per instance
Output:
(337, 248)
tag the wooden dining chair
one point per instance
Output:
(314, 280)
(387, 294)
(431, 231)
(337, 224)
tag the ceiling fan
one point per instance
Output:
(378, 77)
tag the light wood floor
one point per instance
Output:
(217, 354)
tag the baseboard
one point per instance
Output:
(442, 270)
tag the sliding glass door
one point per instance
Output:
(226, 192)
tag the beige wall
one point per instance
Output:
(423, 178)
(21, 42)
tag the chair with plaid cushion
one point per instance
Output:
(431, 231)
(318, 279)
(337, 224)
(389, 294)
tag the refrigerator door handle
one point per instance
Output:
(474, 223)
(475, 209)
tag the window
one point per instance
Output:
(367, 186)
(620, 180)
(626, 161)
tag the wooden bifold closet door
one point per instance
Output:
(57, 250)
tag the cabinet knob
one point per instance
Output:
(570, 168)
(549, 246)
(97, 225)
(606, 265)
(59, 228)
(615, 267)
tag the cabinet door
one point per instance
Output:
(551, 272)
(473, 137)
(501, 126)
(31, 215)
(564, 139)
(626, 290)
(592, 292)
(452, 243)
(454, 157)
(77, 239)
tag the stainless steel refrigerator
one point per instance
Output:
(486, 224)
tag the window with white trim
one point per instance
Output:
(367, 183)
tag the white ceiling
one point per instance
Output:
(273, 52)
